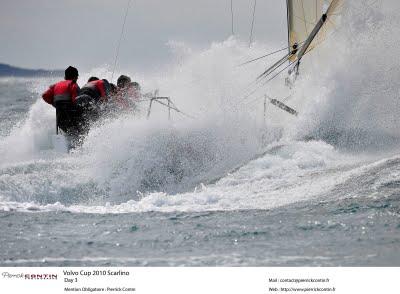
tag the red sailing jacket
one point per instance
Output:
(62, 91)
(96, 88)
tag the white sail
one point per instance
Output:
(333, 14)
(303, 16)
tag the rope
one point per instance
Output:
(252, 23)
(278, 73)
(268, 54)
(174, 108)
(120, 40)
(261, 57)
(275, 66)
(265, 74)
(254, 86)
(244, 98)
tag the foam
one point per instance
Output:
(347, 101)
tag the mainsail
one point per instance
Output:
(308, 21)
(302, 15)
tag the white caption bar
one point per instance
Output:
(198, 280)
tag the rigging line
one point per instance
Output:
(255, 82)
(286, 98)
(171, 106)
(120, 39)
(143, 100)
(202, 78)
(261, 57)
(174, 108)
(276, 65)
(239, 105)
(261, 97)
(252, 101)
(248, 95)
(261, 78)
(267, 81)
(252, 23)
(273, 68)
(232, 18)
(245, 97)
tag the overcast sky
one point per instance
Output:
(55, 33)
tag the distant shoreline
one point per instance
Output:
(7, 70)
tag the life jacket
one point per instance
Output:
(98, 90)
(64, 91)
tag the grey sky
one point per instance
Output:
(56, 33)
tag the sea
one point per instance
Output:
(223, 182)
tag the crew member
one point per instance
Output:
(127, 93)
(62, 96)
(97, 89)
(92, 98)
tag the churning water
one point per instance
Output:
(230, 187)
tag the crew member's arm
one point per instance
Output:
(48, 96)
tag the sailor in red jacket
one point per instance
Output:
(93, 96)
(64, 91)
(96, 89)
(62, 96)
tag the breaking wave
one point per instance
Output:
(230, 157)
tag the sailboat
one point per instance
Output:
(308, 23)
